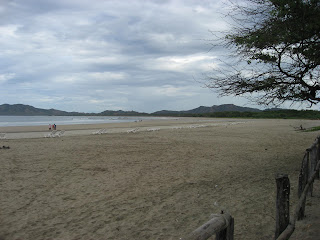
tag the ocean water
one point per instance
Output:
(6, 121)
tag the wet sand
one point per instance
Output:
(160, 182)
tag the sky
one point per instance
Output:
(96, 55)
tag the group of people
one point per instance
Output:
(52, 127)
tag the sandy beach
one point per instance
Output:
(150, 180)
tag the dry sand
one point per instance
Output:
(150, 184)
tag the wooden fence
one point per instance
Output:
(222, 225)
(309, 171)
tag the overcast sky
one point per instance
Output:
(96, 55)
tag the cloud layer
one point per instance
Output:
(94, 55)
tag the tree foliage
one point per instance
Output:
(279, 42)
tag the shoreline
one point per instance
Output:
(12, 121)
(16, 132)
(44, 127)
(144, 123)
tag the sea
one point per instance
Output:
(6, 121)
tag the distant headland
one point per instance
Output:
(224, 110)
(27, 110)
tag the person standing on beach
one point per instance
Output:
(49, 127)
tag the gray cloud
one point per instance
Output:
(81, 55)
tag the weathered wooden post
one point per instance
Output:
(318, 156)
(228, 232)
(221, 225)
(310, 169)
(313, 156)
(303, 179)
(282, 203)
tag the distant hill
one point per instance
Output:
(223, 108)
(213, 109)
(221, 111)
(27, 110)
(121, 113)
(167, 112)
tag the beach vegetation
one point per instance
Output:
(275, 47)
(278, 114)
(313, 129)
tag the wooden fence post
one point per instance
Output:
(318, 156)
(303, 179)
(313, 156)
(282, 203)
(228, 232)
(303, 176)
(310, 169)
(285, 235)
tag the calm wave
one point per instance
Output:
(66, 120)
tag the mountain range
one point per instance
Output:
(26, 110)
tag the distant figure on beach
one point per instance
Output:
(55, 126)
(49, 127)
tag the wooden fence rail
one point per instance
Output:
(222, 225)
(308, 173)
